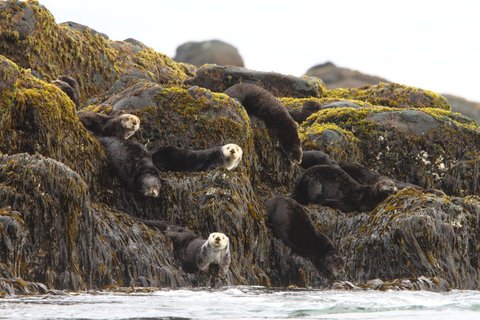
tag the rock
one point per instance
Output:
(59, 200)
(208, 52)
(392, 95)
(30, 37)
(425, 147)
(219, 78)
(41, 119)
(468, 108)
(410, 121)
(417, 235)
(82, 28)
(337, 77)
(9, 73)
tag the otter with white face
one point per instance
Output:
(169, 158)
(233, 155)
(130, 123)
(101, 125)
(216, 250)
(122, 126)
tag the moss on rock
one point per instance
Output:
(37, 117)
(30, 37)
(421, 146)
(392, 95)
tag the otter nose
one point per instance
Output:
(217, 238)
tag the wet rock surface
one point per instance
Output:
(66, 222)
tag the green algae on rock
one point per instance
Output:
(39, 118)
(392, 95)
(417, 235)
(31, 38)
(420, 146)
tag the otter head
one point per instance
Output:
(385, 187)
(151, 186)
(311, 106)
(233, 154)
(218, 240)
(130, 122)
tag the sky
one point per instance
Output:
(431, 44)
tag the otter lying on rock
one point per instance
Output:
(262, 104)
(132, 164)
(329, 185)
(170, 158)
(120, 126)
(293, 226)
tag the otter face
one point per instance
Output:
(130, 122)
(218, 240)
(233, 153)
(151, 186)
(386, 187)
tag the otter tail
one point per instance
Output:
(262, 104)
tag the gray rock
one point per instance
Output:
(219, 78)
(208, 52)
(82, 28)
(410, 121)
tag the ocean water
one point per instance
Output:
(247, 303)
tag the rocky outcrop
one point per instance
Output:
(66, 222)
(220, 78)
(208, 52)
(469, 108)
(338, 77)
(30, 37)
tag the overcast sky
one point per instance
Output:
(432, 44)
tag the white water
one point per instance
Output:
(248, 303)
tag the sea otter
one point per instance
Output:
(262, 104)
(329, 185)
(312, 158)
(197, 253)
(169, 158)
(308, 108)
(132, 164)
(365, 175)
(290, 222)
(70, 87)
(121, 125)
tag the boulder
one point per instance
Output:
(468, 108)
(392, 95)
(208, 52)
(338, 77)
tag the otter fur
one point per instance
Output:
(132, 164)
(329, 185)
(290, 222)
(312, 158)
(198, 253)
(308, 108)
(262, 104)
(365, 175)
(169, 158)
(120, 126)
(70, 87)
